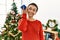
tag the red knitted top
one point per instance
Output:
(31, 30)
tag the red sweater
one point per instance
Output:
(31, 30)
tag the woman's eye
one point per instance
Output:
(34, 10)
(30, 9)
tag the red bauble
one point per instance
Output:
(18, 15)
(12, 12)
(13, 21)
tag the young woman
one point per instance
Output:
(31, 28)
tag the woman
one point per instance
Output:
(31, 28)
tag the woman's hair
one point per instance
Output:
(34, 5)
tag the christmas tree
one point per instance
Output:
(11, 32)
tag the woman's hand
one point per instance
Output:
(24, 11)
(24, 8)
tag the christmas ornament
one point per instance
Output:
(12, 12)
(18, 15)
(23, 7)
(13, 21)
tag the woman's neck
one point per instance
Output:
(31, 18)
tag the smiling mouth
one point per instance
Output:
(31, 14)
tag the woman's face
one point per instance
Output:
(31, 9)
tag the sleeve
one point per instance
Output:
(22, 23)
(41, 36)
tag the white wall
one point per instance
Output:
(48, 9)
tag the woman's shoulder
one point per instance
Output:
(38, 21)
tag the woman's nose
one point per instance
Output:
(31, 10)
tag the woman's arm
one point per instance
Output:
(41, 32)
(22, 23)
